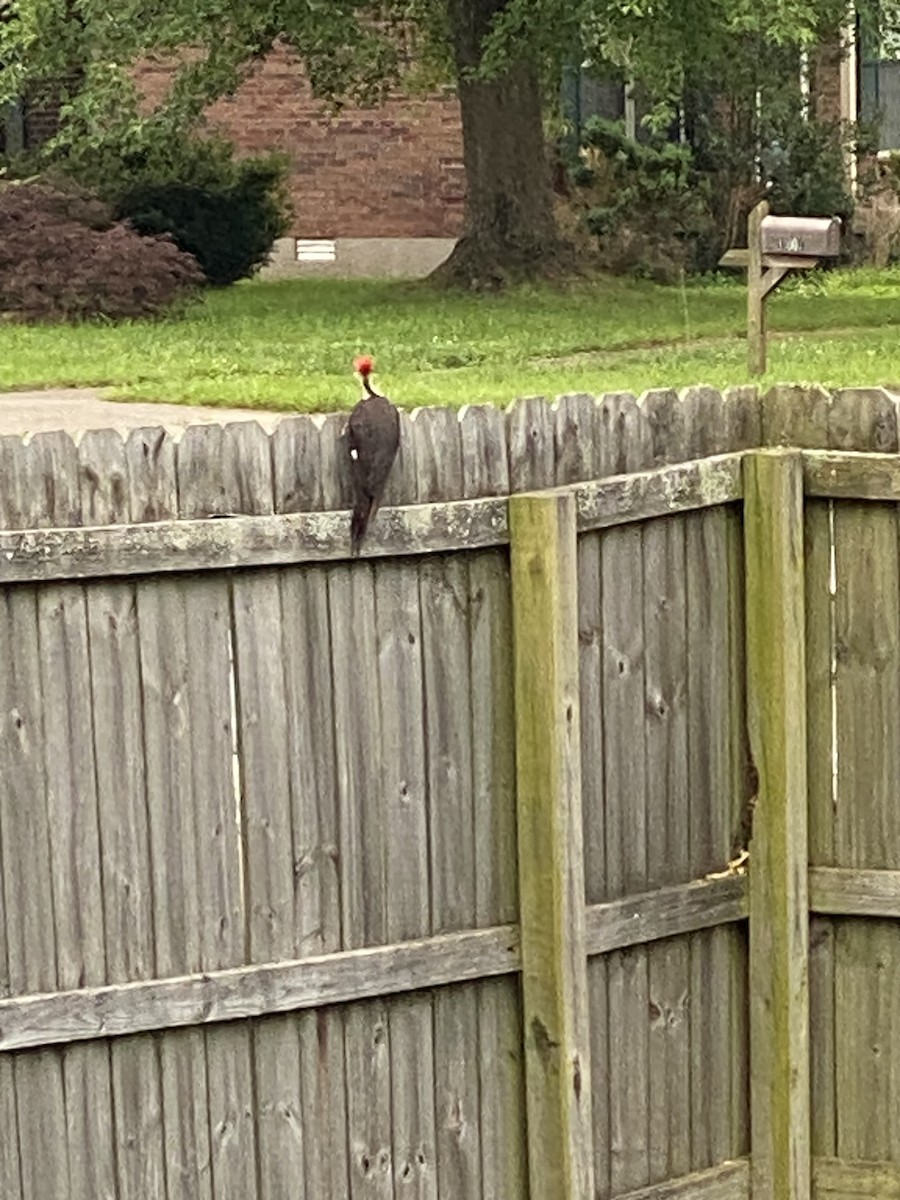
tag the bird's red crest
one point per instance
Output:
(364, 365)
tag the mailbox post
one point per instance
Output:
(776, 245)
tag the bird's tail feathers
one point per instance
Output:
(363, 512)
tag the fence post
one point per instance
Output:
(779, 909)
(551, 865)
(756, 296)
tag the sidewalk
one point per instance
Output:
(77, 409)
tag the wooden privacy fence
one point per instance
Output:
(409, 877)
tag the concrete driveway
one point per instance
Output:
(77, 409)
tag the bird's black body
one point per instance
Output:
(373, 437)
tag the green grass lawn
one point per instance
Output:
(291, 344)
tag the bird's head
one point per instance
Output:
(364, 365)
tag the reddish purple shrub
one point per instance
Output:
(63, 258)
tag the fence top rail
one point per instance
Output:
(851, 475)
(238, 541)
(285, 539)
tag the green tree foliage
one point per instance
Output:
(505, 56)
(725, 78)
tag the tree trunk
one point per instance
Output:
(509, 229)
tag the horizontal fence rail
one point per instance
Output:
(233, 541)
(853, 892)
(832, 1179)
(728, 1181)
(851, 475)
(120, 1010)
(227, 541)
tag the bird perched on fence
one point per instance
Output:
(373, 437)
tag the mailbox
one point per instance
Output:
(818, 237)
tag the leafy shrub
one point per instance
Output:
(878, 227)
(645, 202)
(225, 211)
(229, 227)
(660, 208)
(803, 164)
(63, 257)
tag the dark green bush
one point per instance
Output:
(659, 208)
(229, 227)
(803, 164)
(646, 204)
(225, 211)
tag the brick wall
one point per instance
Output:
(41, 110)
(395, 171)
